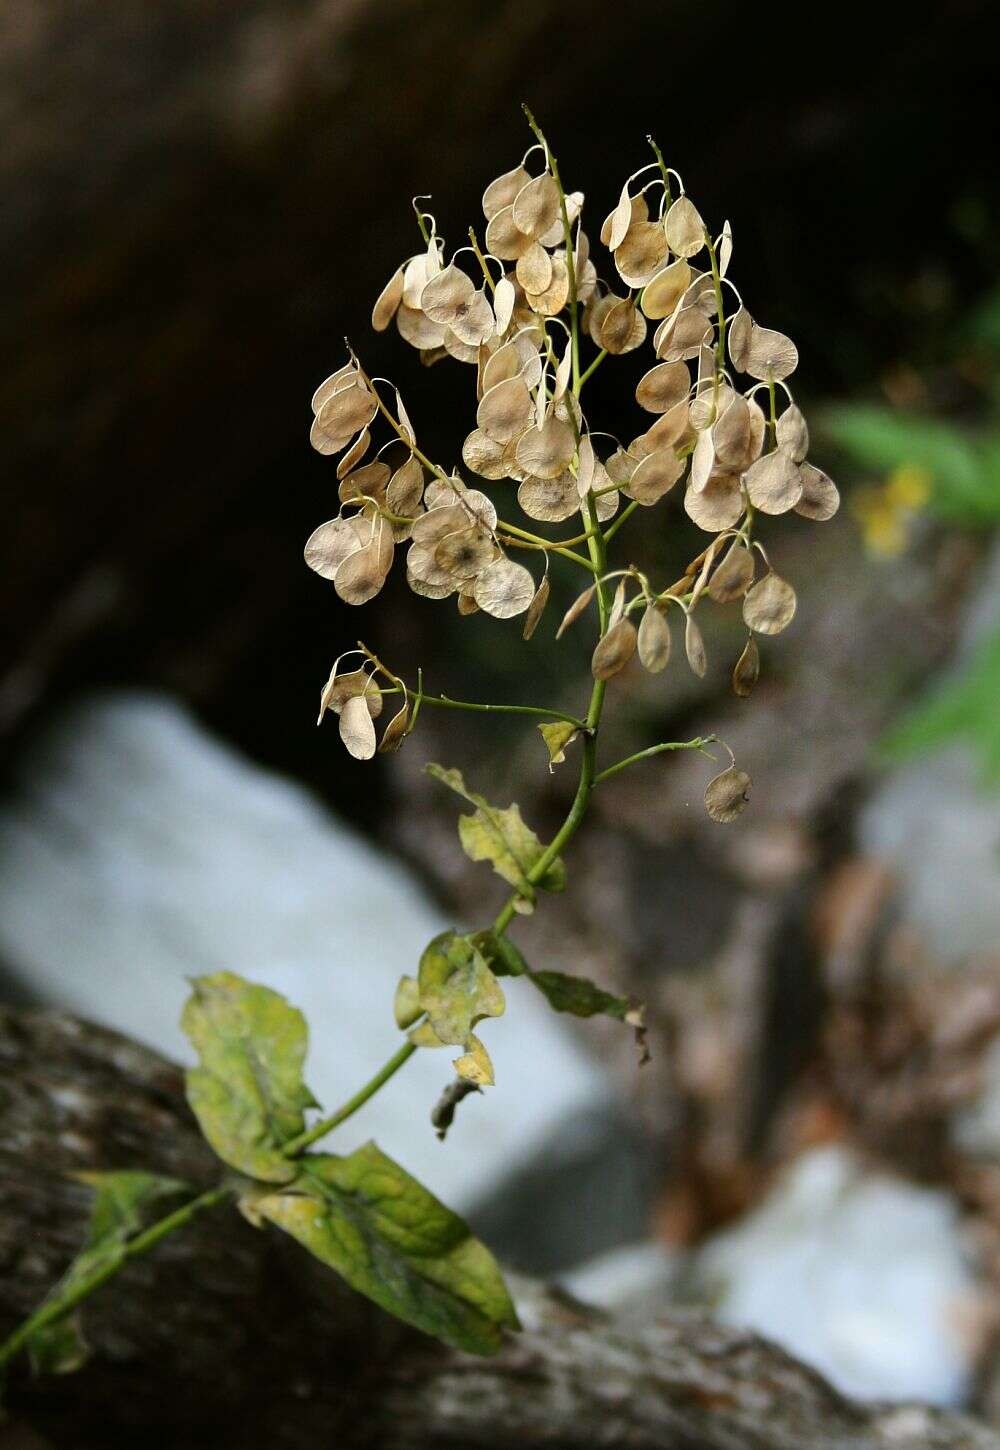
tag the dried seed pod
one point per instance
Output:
(654, 640)
(655, 476)
(355, 453)
(792, 434)
(503, 304)
(614, 650)
(820, 497)
(466, 598)
(405, 488)
(738, 337)
(769, 606)
(505, 411)
(618, 221)
(549, 500)
(663, 387)
(770, 354)
(362, 574)
(727, 794)
(545, 451)
(774, 483)
(444, 297)
(387, 302)
(680, 336)
(718, 504)
(586, 464)
(416, 328)
(395, 732)
(440, 520)
(534, 268)
(503, 238)
(328, 546)
(684, 228)
(642, 253)
(369, 481)
(621, 328)
(484, 455)
(617, 605)
(694, 647)
(732, 431)
(746, 669)
(725, 249)
(663, 292)
(347, 411)
(502, 191)
(341, 688)
(356, 729)
(333, 384)
(322, 442)
(465, 553)
(671, 426)
(504, 589)
(536, 207)
(575, 610)
(621, 466)
(473, 326)
(733, 577)
(553, 299)
(536, 609)
(416, 275)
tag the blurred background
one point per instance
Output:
(201, 200)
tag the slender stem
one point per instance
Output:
(57, 1308)
(593, 367)
(663, 168)
(698, 744)
(326, 1125)
(622, 518)
(537, 542)
(482, 260)
(499, 709)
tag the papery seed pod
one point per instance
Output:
(341, 688)
(820, 498)
(342, 377)
(466, 599)
(536, 609)
(725, 249)
(329, 545)
(733, 577)
(654, 640)
(356, 729)
(484, 455)
(663, 387)
(465, 553)
(504, 589)
(680, 336)
(575, 610)
(728, 794)
(355, 453)
(773, 483)
(663, 292)
(732, 432)
(642, 253)
(322, 442)
(416, 328)
(614, 650)
(505, 411)
(416, 275)
(536, 207)
(655, 476)
(549, 500)
(586, 463)
(746, 669)
(617, 605)
(554, 297)
(387, 301)
(395, 732)
(503, 304)
(684, 228)
(347, 411)
(502, 191)
(362, 574)
(738, 338)
(405, 488)
(474, 324)
(694, 647)
(546, 451)
(770, 354)
(622, 328)
(369, 481)
(618, 221)
(534, 268)
(506, 363)
(718, 505)
(440, 520)
(792, 434)
(503, 238)
(671, 427)
(769, 606)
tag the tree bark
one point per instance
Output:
(231, 1336)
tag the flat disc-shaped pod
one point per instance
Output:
(725, 248)
(718, 505)
(642, 253)
(504, 589)
(473, 324)
(369, 481)
(769, 606)
(347, 411)
(534, 268)
(684, 228)
(770, 354)
(673, 426)
(738, 336)
(655, 476)
(734, 575)
(405, 488)
(820, 496)
(550, 500)
(479, 508)
(556, 233)
(447, 295)
(465, 553)
(463, 352)
(663, 387)
(503, 238)
(484, 455)
(792, 433)
(328, 546)
(702, 461)
(577, 608)
(621, 466)
(654, 640)
(356, 729)
(362, 574)
(387, 301)
(680, 336)
(432, 526)
(507, 362)
(536, 207)
(505, 411)
(355, 453)
(416, 274)
(416, 328)
(694, 647)
(728, 794)
(615, 226)
(502, 191)
(622, 327)
(340, 688)
(424, 577)
(662, 292)
(396, 731)
(333, 384)
(546, 451)
(774, 483)
(732, 431)
(553, 299)
(614, 650)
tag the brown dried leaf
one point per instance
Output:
(769, 606)
(728, 794)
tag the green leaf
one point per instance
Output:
(117, 1214)
(963, 708)
(248, 1094)
(582, 998)
(395, 1242)
(557, 734)
(457, 988)
(964, 469)
(501, 837)
(502, 956)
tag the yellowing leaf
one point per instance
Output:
(393, 1241)
(557, 734)
(501, 837)
(474, 1065)
(247, 1094)
(457, 988)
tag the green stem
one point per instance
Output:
(450, 704)
(663, 168)
(698, 744)
(593, 367)
(482, 260)
(326, 1125)
(56, 1309)
(625, 514)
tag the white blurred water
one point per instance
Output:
(137, 851)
